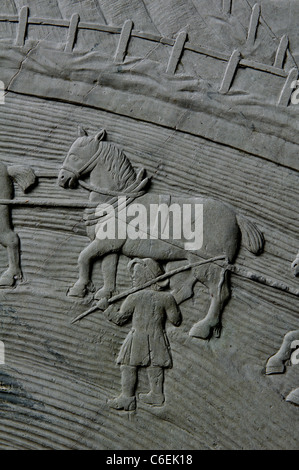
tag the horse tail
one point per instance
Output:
(23, 175)
(252, 237)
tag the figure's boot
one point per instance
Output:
(156, 379)
(123, 403)
(126, 400)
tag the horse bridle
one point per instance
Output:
(87, 168)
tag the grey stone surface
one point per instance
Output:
(143, 344)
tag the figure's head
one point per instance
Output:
(144, 270)
(80, 153)
(295, 266)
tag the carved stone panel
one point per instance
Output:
(149, 225)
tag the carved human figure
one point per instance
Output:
(146, 344)
(277, 363)
(25, 178)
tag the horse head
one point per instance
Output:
(295, 266)
(79, 158)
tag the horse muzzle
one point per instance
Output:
(66, 179)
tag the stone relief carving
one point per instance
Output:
(147, 344)
(112, 174)
(25, 178)
(277, 363)
(164, 273)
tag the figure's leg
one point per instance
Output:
(126, 400)
(217, 280)
(276, 363)
(11, 241)
(156, 380)
(109, 269)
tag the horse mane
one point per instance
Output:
(118, 164)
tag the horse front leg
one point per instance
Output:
(96, 249)
(276, 363)
(217, 280)
(11, 242)
(109, 270)
(86, 257)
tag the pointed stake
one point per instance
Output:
(281, 52)
(123, 42)
(22, 26)
(72, 33)
(176, 52)
(227, 6)
(253, 25)
(230, 72)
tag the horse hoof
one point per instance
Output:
(8, 280)
(77, 292)
(274, 366)
(103, 294)
(201, 330)
(293, 397)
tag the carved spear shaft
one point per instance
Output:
(148, 284)
(238, 270)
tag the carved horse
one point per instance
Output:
(111, 173)
(25, 178)
(276, 364)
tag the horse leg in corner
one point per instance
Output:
(276, 363)
(96, 249)
(10, 240)
(109, 269)
(217, 281)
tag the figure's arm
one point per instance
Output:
(123, 314)
(173, 311)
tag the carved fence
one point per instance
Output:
(178, 45)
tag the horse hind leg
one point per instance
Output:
(182, 284)
(217, 280)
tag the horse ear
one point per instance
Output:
(82, 132)
(100, 135)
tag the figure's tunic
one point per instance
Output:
(147, 343)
